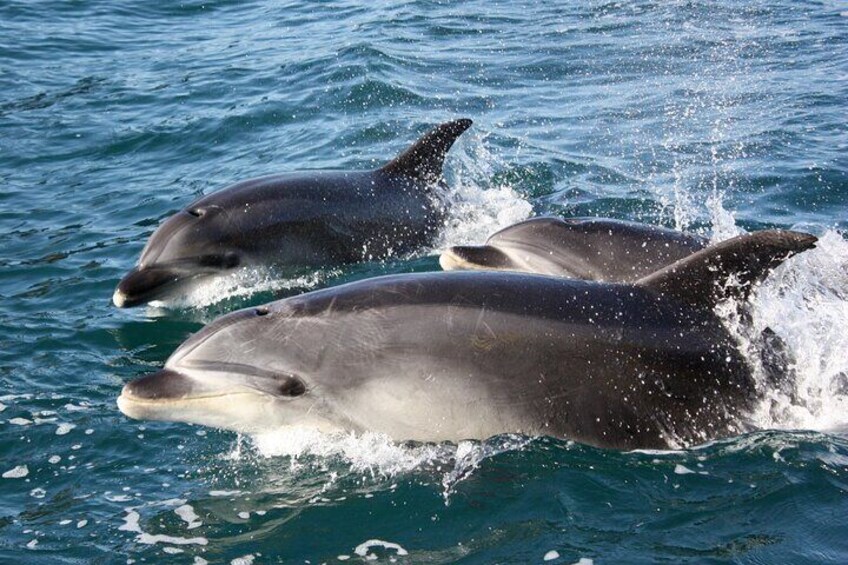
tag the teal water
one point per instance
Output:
(713, 117)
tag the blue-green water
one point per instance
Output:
(113, 115)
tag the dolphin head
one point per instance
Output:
(233, 375)
(192, 243)
(536, 245)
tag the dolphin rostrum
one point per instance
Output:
(468, 355)
(306, 219)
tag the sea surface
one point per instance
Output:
(712, 117)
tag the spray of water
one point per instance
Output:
(244, 283)
(474, 207)
(806, 303)
(378, 456)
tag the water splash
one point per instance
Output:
(475, 208)
(370, 452)
(378, 456)
(806, 303)
(722, 220)
(244, 283)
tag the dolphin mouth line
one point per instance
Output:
(134, 289)
(157, 401)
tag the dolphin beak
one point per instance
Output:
(143, 284)
(230, 402)
(161, 385)
(119, 299)
(473, 257)
(143, 398)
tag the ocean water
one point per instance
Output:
(714, 117)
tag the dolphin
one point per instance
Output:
(448, 356)
(582, 248)
(305, 219)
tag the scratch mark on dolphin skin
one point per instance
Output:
(247, 344)
(479, 318)
(312, 407)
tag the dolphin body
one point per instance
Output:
(472, 354)
(581, 248)
(307, 219)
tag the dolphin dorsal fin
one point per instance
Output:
(423, 161)
(708, 276)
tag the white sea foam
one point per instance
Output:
(132, 524)
(18, 472)
(187, 513)
(363, 549)
(220, 493)
(377, 455)
(369, 452)
(64, 428)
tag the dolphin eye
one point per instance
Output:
(262, 311)
(292, 386)
(225, 261)
(196, 212)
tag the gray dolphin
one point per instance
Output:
(464, 355)
(582, 248)
(306, 219)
